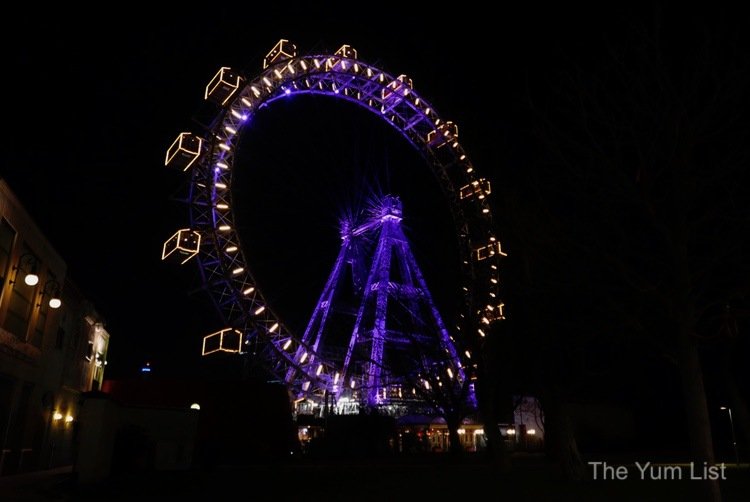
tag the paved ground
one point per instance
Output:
(392, 480)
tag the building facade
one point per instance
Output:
(53, 346)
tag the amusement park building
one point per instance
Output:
(53, 346)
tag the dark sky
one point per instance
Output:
(91, 107)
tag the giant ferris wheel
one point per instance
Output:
(212, 241)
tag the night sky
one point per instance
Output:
(90, 109)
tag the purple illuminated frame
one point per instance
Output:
(296, 359)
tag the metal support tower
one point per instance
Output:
(397, 341)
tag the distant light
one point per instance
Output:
(723, 408)
(287, 91)
(195, 406)
(225, 228)
(145, 370)
(54, 303)
(274, 327)
(531, 432)
(259, 310)
(248, 290)
(31, 279)
(511, 432)
(57, 416)
(68, 419)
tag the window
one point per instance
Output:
(20, 305)
(41, 320)
(60, 338)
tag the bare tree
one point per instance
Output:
(644, 145)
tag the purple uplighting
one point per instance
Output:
(398, 341)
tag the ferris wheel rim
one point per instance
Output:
(223, 267)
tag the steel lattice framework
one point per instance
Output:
(376, 320)
(212, 237)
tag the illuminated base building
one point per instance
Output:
(53, 346)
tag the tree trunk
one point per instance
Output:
(560, 437)
(487, 396)
(696, 408)
(496, 449)
(453, 424)
(740, 411)
(737, 401)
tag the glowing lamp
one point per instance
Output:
(27, 265)
(51, 289)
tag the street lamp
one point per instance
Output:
(734, 439)
(51, 289)
(27, 264)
